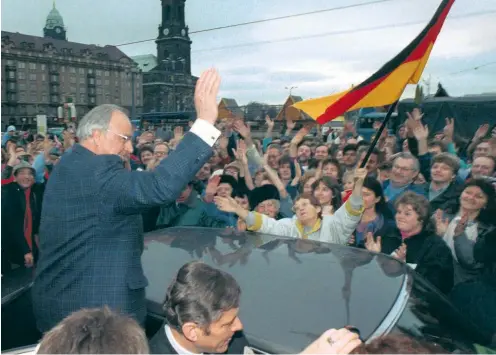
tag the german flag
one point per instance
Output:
(387, 84)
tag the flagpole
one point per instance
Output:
(379, 133)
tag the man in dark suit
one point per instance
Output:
(201, 310)
(91, 236)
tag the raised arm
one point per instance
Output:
(130, 192)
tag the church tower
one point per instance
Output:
(54, 27)
(173, 42)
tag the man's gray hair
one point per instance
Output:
(97, 119)
(408, 156)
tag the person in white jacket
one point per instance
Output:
(309, 222)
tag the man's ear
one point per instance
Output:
(191, 331)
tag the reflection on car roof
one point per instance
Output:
(292, 289)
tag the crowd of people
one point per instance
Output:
(425, 198)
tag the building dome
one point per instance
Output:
(54, 19)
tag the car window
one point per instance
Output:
(429, 316)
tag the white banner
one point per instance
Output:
(41, 122)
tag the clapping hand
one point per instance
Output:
(371, 244)
(206, 91)
(462, 224)
(441, 223)
(400, 253)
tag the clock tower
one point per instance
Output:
(54, 27)
(173, 42)
(169, 86)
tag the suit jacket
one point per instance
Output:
(91, 232)
(13, 210)
(160, 344)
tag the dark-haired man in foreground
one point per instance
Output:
(201, 317)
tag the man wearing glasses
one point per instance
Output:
(405, 169)
(91, 236)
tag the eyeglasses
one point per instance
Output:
(125, 138)
(402, 168)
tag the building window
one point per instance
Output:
(32, 77)
(62, 69)
(10, 62)
(43, 77)
(21, 65)
(55, 98)
(22, 86)
(82, 98)
(72, 70)
(44, 97)
(12, 75)
(54, 78)
(73, 80)
(107, 73)
(98, 81)
(22, 96)
(32, 66)
(92, 100)
(90, 71)
(107, 82)
(92, 81)
(34, 96)
(99, 90)
(81, 71)
(99, 73)
(12, 86)
(43, 67)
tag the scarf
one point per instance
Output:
(28, 220)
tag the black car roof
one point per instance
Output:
(292, 289)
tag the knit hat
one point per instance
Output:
(11, 129)
(23, 165)
(263, 193)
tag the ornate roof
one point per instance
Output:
(61, 47)
(54, 19)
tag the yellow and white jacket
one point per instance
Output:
(335, 229)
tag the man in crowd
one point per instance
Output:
(90, 250)
(21, 211)
(201, 311)
(95, 331)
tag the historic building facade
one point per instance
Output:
(39, 74)
(169, 87)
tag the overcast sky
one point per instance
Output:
(318, 66)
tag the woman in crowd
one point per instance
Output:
(328, 193)
(377, 218)
(309, 223)
(469, 219)
(307, 181)
(415, 242)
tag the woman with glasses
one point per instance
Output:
(309, 222)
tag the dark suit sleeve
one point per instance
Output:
(437, 267)
(132, 191)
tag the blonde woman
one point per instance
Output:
(309, 222)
